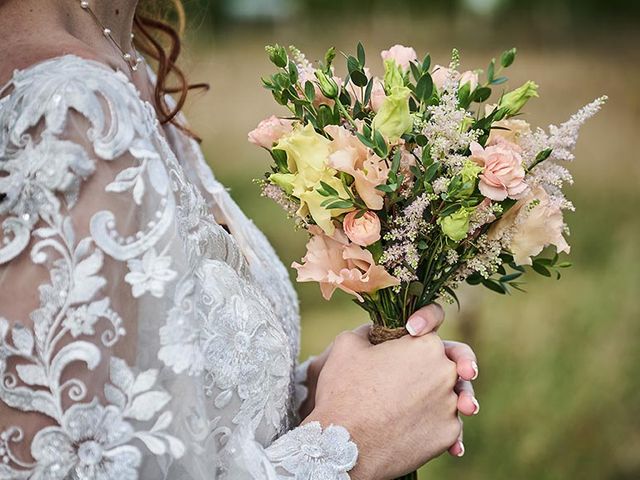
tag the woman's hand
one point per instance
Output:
(424, 321)
(396, 399)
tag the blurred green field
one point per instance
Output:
(559, 383)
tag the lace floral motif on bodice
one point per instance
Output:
(158, 345)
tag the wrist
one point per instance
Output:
(363, 470)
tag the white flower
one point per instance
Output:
(81, 320)
(90, 443)
(309, 452)
(149, 274)
(31, 179)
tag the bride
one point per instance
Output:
(147, 329)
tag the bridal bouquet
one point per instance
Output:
(413, 183)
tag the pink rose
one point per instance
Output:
(401, 55)
(471, 78)
(378, 95)
(377, 92)
(532, 224)
(441, 75)
(335, 263)
(269, 131)
(503, 174)
(362, 230)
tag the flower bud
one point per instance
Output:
(515, 100)
(277, 55)
(393, 76)
(328, 86)
(456, 225)
(394, 117)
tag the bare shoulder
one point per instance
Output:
(24, 54)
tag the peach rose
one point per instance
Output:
(352, 157)
(335, 263)
(511, 130)
(362, 230)
(269, 131)
(400, 54)
(503, 173)
(533, 230)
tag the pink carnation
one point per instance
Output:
(269, 131)
(503, 174)
(335, 263)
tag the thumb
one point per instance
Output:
(426, 320)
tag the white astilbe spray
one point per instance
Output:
(401, 256)
(445, 128)
(561, 140)
(552, 178)
(276, 194)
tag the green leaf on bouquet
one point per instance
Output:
(280, 157)
(421, 140)
(494, 286)
(310, 91)
(541, 269)
(381, 148)
(431, 171)
(395, 164)
(464, 95)
(510, 277)
(507, 58)
(327, 190)
(481, 94)
(367, 92)
(352, 64)
(359, 78)
(325, 116)
(415, 71)
(424, 88)
(338, 205)
(365, 141)
(387, 188)
(293, 73)
(426, 63)
(499, 81)
(361, 55)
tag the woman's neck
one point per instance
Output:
(27, 21)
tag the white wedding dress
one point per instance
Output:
(138, 338)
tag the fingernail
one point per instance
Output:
(461, 452)
(475, 404)
(416, 325)
(476, 372)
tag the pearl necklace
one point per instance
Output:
(133, 60)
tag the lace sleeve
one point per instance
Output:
(135, 340)
(76, 255)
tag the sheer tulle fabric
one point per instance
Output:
(138, 339)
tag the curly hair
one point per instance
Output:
(159, 25)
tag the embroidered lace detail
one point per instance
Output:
(119, 213)
(310, 452)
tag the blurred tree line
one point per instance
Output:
(576, 11)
